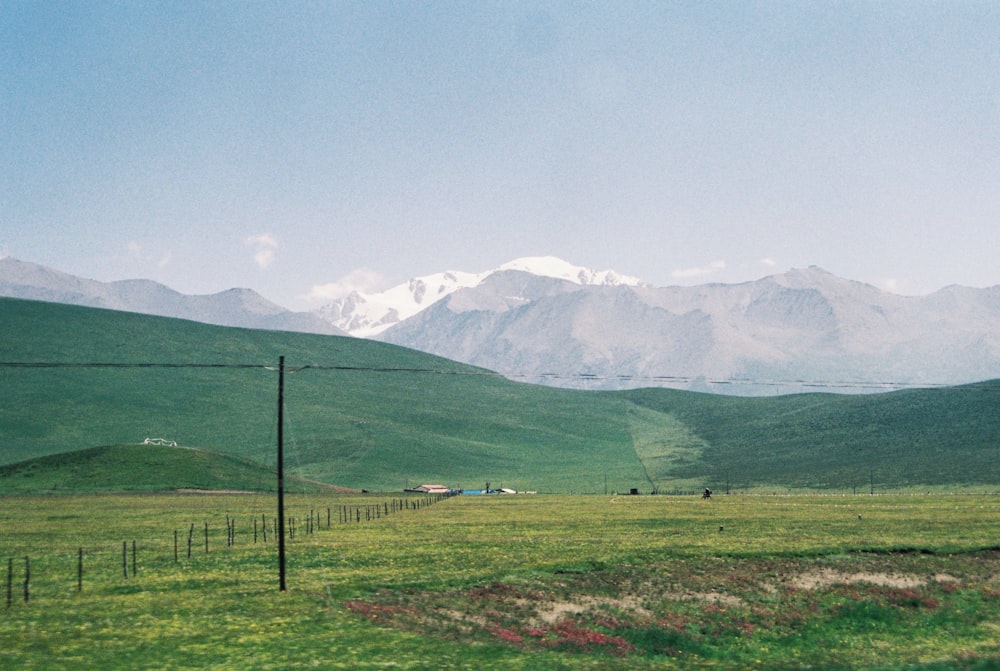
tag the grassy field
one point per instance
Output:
(374, 416)
(504, 582)
(144, 468)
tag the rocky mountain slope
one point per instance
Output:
(544, 320)
(802, 330)
(234, 307)
(368, 315)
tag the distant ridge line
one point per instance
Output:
(819, 384)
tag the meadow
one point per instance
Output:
(368, 415)
(502, 582)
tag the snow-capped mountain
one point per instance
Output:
(368, 315)
(799, 331)
(544, 320)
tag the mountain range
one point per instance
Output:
(543, 320)
(369, 315)
(369, 415)
(234, 307)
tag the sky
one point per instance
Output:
(307, 149)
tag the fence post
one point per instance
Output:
(134, 562)
(125, 558)
(206, 537)
(10, 581)
(27, 579)
(79, 570)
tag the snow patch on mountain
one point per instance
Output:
(367, 315)
(550, 266)
(788, 333)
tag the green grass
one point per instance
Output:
(910, 438)
(360, 428)
(375, 416)
(129, 468)
(525, 582)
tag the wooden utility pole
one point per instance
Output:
(281, 474)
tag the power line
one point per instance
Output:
(657, 380)
(97, 364)
(679, 379)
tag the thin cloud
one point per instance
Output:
(362, 280)
(768, 261)
(892, 285)
(700, 271)
(137, 253)
(264, 246)
(263, 258)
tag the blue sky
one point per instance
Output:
(290, 146)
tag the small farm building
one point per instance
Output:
(429, 489)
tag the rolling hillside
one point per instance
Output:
(904, 439)
(370, 415)
(142, 468)
(377, 422)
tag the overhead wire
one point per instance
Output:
(102, 364)
(888, 385)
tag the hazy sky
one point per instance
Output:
(285, 146)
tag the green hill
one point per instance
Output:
(378, 421)
(905, 439)
(138, 468)
(370, 415)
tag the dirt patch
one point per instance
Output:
(821, 578)
(719, 598)
(677, 608)
(554, 611)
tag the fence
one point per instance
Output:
(196, 538)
